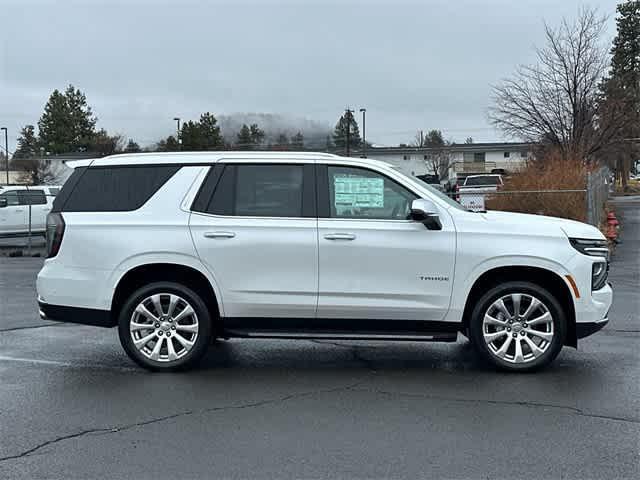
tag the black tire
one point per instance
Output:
(551, 303)
(202, 340)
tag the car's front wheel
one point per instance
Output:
(165, 326)
(518, 326)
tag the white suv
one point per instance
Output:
(178, 249)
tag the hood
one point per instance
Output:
(541, 223)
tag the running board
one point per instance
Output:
(405, 337)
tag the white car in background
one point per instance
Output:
(474, 189)
(14, 208)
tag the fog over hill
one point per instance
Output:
(315, 133)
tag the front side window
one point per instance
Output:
(261, 190)
(365, 194)
(12, 198)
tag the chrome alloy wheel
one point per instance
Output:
(164, 327)
(518, 328)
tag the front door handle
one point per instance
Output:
(219, 234)
(340, 236)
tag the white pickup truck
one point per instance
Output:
(471, 193)
(14, 208)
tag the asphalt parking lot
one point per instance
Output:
(72, 405)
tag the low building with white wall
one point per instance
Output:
(461, 159)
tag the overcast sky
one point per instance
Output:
(413, 64)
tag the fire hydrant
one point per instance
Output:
(612, 227)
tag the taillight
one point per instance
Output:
(55, 232)
(456, 191)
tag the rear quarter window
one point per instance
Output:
(112, 189)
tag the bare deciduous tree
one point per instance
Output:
(555, 101)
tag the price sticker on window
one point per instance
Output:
(361, 192)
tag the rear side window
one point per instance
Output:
(264, 190)
(32, 197)
(113, 189)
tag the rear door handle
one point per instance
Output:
(219, 234)
(340, 236)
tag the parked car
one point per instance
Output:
(177, 249)
(433, 180)
(14, 208)
(471, 194)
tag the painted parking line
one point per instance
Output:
(65, 364)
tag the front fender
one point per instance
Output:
(464, 281)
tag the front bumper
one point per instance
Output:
(586, 329)
(85, 316)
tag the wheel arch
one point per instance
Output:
(144, 274)
(543, 277)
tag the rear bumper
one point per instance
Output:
(85, 316)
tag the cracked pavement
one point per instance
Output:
(73, 406)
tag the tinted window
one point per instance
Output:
(482, 180)
(269, 191)
(67, 188)
(33, 197)
(12, 198)
(259, 191)
(362, 193)
(116, 189)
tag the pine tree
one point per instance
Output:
(620, 93)
(210, 131)
(132, 147)
(625, 60)
(257, 135)
(67, 124)
(340, 132)
(243, 139)
(297, 141)
(28, 146)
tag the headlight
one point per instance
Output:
(593, 248)
(599, 273)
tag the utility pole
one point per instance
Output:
(348, 116)
(6, 150)
(364, 133)
(177, 119)
(421, 139)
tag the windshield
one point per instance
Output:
(482, 180)
(442, 196)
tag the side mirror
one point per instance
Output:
(426, 212)
(3, 202)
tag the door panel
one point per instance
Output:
(257, 233)
(264, 267)
(13, 217)
(373, 262)
(390, 270)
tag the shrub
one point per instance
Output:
(550, 173)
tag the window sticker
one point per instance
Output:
(361, 192)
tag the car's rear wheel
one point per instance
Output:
(518, 326)
(165, 326)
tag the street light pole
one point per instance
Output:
(6, 150)
(177, 119)
(364, 133)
